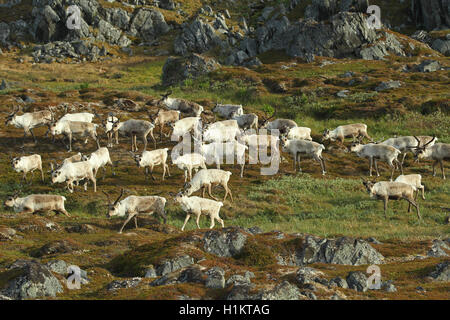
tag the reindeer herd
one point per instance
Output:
(230, 138)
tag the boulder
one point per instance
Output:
(388, 286)
(4, 32)
(443, 46)
(27, 279)
(324, 9)
(387, 85)
(216, 278)
(339, 282)
(227, 242)
(55, 247)
(344, 250)
(148, 24)
(441, 272)
(429, 66)
(174, 264)
(81, 228)
(123, 284)
(357, 280)
(191, 274)
(241, 292)
(438, 249)
(306, 275)
(177, 69)
(283, 291)
(198, 37)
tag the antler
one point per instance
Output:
(118, 198)
(418, 142)
(425, 145)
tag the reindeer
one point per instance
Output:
(30, 120)
(437, 152)
(189, 108)
(37, 203)
(133, 206)
(385, 190)
(407, 143)
(356, 130)
(133, 128)
(150, 159)
(228, 111)
(71, 128)
(308, 148)
(164, 117)
(27, 164)
(283, 125)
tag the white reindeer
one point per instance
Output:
(150, 159)
(27, 164)
(37, 203)
(303, 147)
(437, 152)
(188, 162)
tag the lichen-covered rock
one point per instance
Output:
(57, 246)
(429, 66)
(227, 242)
(174, 264)
(283, 291)
(438, 249)
(339, 282)
(387, 85)
(344, 250)
(177, 69)
(148, 24)
(198, 37)
(122, 284)
(27, 279)
(443, 46)
(6, 233)
(441, 272)
(216, 278)
(357, 280)
(306, 275)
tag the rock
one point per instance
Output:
(29, 280)
(57, 266)
(123, 284)
(342, 93)
(373, 240)
(324, 9)
(283, 291)
(191, 274)
(241, 292)
(4, 32)
(174, 264)
(337, 296)
(2, 297)
(57, 246)
(339, 282)
(438, 249)
(190, 66)
(6, 233)
(443, 46)
(357, 280)
(431, 13)
(148, 24)
(387, 85)
(266, 13)
(388, 286)
(441, 272)
(81, 228)
(197, 37)
(4, 85)
(216, 278)
(150, 272)
(376, 52)
(306, 275)
(344, 250)
(254, 230)
(39, 224)
(167, 4)
(225, 243)
(422, 36)
(429, 66)
(237, 280)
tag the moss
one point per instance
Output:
(256, 255)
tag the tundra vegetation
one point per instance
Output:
(295, 204)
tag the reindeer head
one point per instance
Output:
(326, 135)
(11, 200)
(355, 146)
(11, 116)
(421, 151)
(113, 206)
(368, 185)
(164, 97)
(136, 157)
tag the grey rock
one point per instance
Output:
(241, 292)
(216, 278)
(376, 52)
(357, 280)
(422, 36)
(150, 272)
(283, 291)
(429, 66)
(254, 230)
(373, 240)
(57, 246)
(388, 286)
(225, 243)
(339, 282)
(57, 266)
(174, 264)
(190, 274)
(343, 250)
(342, 93)
(237, 280)
(4, 32)
(148, 24)
(177, 69)
(197, 37)
(387, 85)
(441, 272)
(123, 284)
(438, 249)
(443, 46)
(28, 280)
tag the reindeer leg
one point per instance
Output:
(151, 173)
(130, 216)
(385, 206)
(185, 221)
(135, 222)
(209, 192)
(442, 168)
(153, 138)
(32, 134)
(370, 166)
(434, 167)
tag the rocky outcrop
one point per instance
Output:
(441, 272)
(177, 69)
(346, 251)
(227, 242)
(357, 280)
(78, 50)
(174, 264)
(431, 14)
(216, 278)
(198, 37)
(30, 279)
(6, 233)
(324, 9)
(148, 24)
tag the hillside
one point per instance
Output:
(315, 62)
